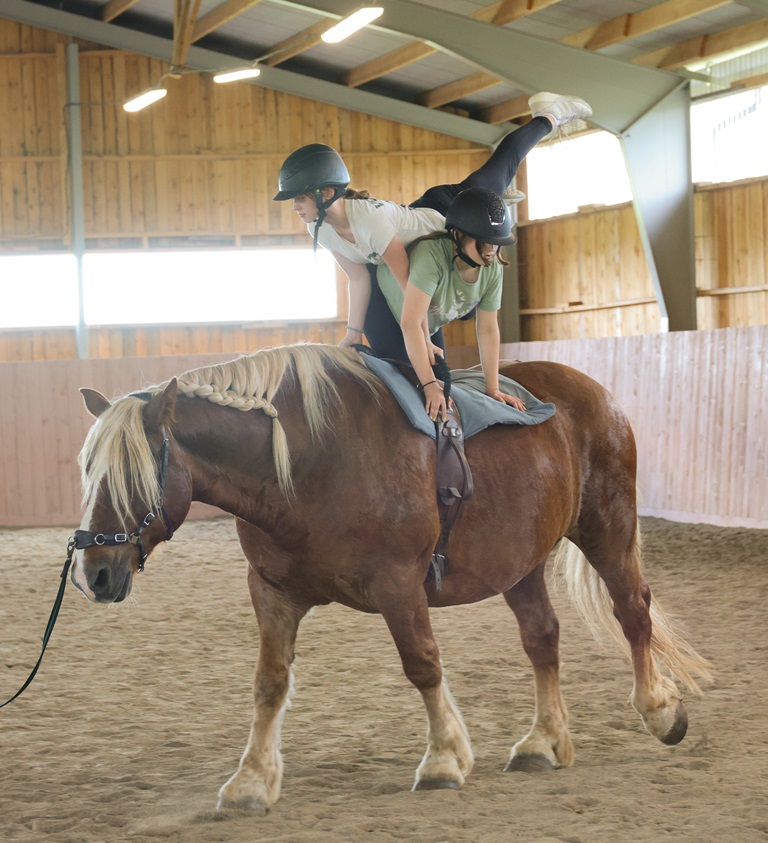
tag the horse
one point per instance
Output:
(334, 499)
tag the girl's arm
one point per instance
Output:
(359, 296)
(396, 259)
(414, 315)
(488, 339)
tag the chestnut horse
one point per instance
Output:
(334, 498)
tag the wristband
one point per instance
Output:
(354, 330)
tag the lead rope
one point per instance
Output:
(83, 539)
(51, 620)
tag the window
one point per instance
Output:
(728, 137)
(38, 291)
(587, 170)
(727, 143)
(221, 286)
(122, 288)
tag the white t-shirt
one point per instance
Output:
(374, 222)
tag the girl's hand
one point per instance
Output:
(513, 401)
(434, 351)
(434, 400)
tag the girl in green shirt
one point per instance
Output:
(450, 273)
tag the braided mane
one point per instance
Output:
(116, 447)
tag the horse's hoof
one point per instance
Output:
(679, 727)
(529, 764)
(436, 784)
(253, 806)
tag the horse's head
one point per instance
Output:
(136, 490)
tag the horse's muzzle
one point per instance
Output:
(103, 582)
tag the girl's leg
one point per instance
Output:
(383, 331)
(497, 172)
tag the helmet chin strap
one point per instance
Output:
(460, 253)
(322, 209)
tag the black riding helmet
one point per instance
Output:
(309, 169)
(482, 215)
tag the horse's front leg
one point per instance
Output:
(448, 759)
(548, 745)
(256, 784)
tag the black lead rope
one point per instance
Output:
(51, 622)
(83, 539)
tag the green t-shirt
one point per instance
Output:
(433, 270)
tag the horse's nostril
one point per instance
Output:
(102, 579)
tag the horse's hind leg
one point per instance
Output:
(613, 550)
(256, 784)
(448, 759)
(548, 744)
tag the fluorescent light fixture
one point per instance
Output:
(357, 20)
(144, 99)
(234, 75)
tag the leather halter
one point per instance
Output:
(83, 539)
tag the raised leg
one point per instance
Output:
(548, 744)
(448, 759)
(256, 784)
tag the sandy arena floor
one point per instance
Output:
(140, 711)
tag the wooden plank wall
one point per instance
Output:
(698, 402)
(198, 168)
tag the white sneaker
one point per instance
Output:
(562, 108)
(512, 196)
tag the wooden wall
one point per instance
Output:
(198, 170)
(200, 167)
(698, 402)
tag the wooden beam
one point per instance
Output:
(456, 90)
(705, 46)
(219, 16)
(388, 63)
(115, 8)
(503, 111)
(624, 27)
(498, 13)
(512, 10)
(299, 43)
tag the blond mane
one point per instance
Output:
(116, 447)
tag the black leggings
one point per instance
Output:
(381, 328)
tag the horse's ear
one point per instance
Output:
(159, 410)
(95, 402)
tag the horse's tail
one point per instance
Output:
(589, 594)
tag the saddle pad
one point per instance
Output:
(477, 410)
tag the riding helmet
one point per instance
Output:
(481, 214)
(309, 169)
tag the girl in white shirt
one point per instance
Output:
(362, 232)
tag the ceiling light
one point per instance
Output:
(234, 75)
(344, 28)
(144, 99)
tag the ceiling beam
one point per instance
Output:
(624, 27)
(617, 94)
(609, 32)
(453, 91)
(115, 8)
(705, 46)
(296, 84)
(299, 43)
(221, 15)
(499, 13)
